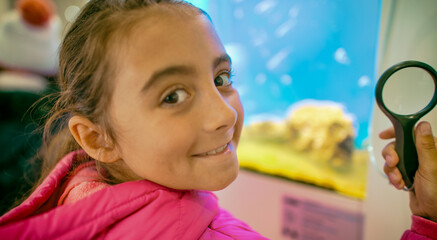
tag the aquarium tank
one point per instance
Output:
(306, 73)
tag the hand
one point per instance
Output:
(423, 197)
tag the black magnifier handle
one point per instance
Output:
(406, 150)
(404, 124)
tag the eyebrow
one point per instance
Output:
(221, 59)
(180, 70)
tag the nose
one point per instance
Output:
(218, 112)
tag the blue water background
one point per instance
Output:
(285, 51)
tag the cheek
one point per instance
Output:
(237, 105)
(240, 112)
(161, 141)
(152, 153)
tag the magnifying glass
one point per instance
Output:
(405, 93)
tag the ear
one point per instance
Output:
(92, 139)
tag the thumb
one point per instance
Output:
(426, 149)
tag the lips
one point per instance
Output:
(218, 150)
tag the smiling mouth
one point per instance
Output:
(216, 151)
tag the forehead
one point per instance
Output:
(170, 30)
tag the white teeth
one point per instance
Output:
(218, 150)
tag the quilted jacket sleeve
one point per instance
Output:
(224, 226)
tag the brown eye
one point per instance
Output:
(175, 97)
(222, 80)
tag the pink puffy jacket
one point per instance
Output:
(421, 229)
(131, 210)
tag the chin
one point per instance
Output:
(222, 183)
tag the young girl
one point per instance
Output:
(147, 124)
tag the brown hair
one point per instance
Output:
(86, 68)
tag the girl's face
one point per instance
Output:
(177, 117)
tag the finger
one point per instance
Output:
(387, 133)
(390, 156)
(426, 149)
(394, 176)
